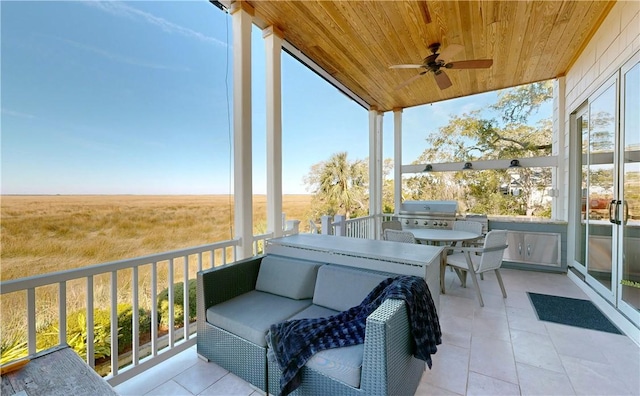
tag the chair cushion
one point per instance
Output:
(288, 277)
(340, 288)
(249, 315)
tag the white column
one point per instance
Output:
(241, 16)
(559, 175)
(397, 159)
(273, 45)
(373, 167)
(379, 163)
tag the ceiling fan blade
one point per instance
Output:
(470, 64)
(409, 81)
(405, 66)
(449, 52)
(442, 80)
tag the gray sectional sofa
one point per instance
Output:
(238, 302)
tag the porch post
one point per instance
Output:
(559, 204)
(397, 160)
(241, 18)
(375, 166)
(273, 45)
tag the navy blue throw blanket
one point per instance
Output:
(292, 343)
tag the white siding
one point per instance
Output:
(617, 39)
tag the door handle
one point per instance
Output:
(611, 216)
(625, 217)
(617, 217)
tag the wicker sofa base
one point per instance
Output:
(243, 358)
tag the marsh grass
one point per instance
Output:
(42, 234)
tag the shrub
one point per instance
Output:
(178, 301)
(77, 331)
(125, 315)
(11, 350)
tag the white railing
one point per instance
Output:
(361, 227)
(185, 261)
(291, 227)
(366, 227)
(176, 266)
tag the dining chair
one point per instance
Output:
(490, 258)
(399, 236)
(391, 225)
(465, 225)
(469, 226)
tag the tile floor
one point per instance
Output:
(501, 349)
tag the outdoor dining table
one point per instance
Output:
(434, 236)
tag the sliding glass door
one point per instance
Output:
(597, 131)
(607, 227)
(628, 216)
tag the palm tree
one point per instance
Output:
(339, 184)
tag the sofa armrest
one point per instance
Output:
(388, 365)
(223, 283)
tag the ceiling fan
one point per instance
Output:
(435, 62)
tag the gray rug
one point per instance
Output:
(572, 312)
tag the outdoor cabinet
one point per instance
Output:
(542, 248)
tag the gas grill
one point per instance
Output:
(428, 214)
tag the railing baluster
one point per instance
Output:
(171, 313)
(90, 328)
(185, 299)
(135, 326)
(31, 320)
(114, 323)
(154, 308)
(200, 261)
(62, 312)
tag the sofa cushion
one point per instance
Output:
(250, 315)
(343, 364)
(314, 311)
(340, 288)
(288, 277)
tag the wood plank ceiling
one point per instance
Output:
(357, 41)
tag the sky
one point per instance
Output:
(135, 98)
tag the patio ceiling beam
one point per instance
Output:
(551, 161)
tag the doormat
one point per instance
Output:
(571, 312)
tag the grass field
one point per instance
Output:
(42, 234)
